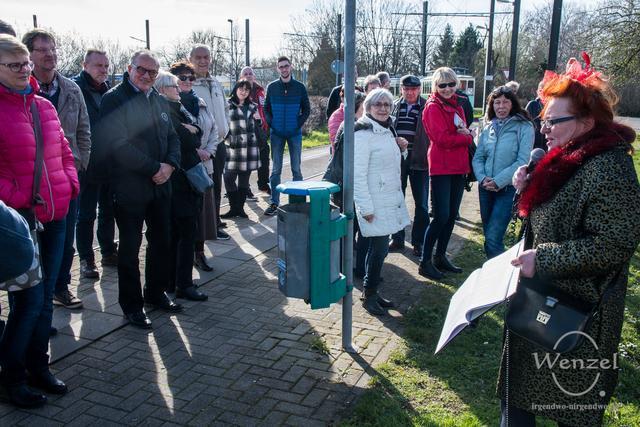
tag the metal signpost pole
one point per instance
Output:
(349, 119)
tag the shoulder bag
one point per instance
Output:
(33, 276)
(199, 178)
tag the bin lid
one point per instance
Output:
(301, 188)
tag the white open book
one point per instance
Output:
(485, 288)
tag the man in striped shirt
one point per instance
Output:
(407, 113)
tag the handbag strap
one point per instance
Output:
(36, 199)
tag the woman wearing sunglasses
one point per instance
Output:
(448, 155)
(206, 221)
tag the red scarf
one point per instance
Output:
(559, 164)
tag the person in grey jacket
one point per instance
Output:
(67, 98)
(504, 145)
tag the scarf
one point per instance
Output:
(101, 88)
(191, 102)
(561, 163)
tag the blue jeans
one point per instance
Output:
(419, 181)
(25, 341)
(93, 195)
(446, 194)
(277, 153)
(495, 211)
(64, 275)
(377, 248)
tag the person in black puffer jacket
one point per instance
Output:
(185, 202)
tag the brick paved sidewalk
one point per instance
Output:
(247, 356)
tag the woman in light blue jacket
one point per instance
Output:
(505, 144)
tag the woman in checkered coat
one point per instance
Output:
(242, 147)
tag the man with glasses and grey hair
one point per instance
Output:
(67, 98)
(144, 150)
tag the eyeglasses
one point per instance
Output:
(16, 67)
(284, 67)
(173, 86)
(140, 69)
(450, 84)
(381, 105)
(184, 78)
(550, 122)
(46, 50)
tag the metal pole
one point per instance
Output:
(338, 43)
(347, 198)
(488, 64)
(423, 49)
(555, 35)
(231, 67)
(514, 39)
(35, 21)
(247, 58)
(146, 24)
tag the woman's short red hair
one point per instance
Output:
(590, 94)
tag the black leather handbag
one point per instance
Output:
(548, 317)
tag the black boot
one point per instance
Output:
(429, 271)
(200, 261)
(386, 303)
(233, 205)
(442, 263)
(241, 198)
(23, 397)
(372, 305)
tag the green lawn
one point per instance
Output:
(457, 387)
(316, 138)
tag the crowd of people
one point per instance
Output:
(155, 149)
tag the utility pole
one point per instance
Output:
(488, 64)
(247, 58)
(231, 67)
(423, 47)
(338, 45)
(146, 23)
(552, 63)
(347, 194)
(514, 39)
(35, 21)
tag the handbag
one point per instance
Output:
(33, 276)
(199, 178)
(471, 176)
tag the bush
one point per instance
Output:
(317, 119)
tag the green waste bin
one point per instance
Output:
(310, 230)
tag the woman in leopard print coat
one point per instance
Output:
(582, 205)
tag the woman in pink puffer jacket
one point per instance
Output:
(24, 343)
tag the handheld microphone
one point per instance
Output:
(534, 158)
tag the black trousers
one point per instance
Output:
(183, 237)
(130, 219)
(218, 168)
(263, 170)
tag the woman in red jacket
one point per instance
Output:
(25, 340)
(443, 118)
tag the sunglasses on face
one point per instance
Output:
(443, 85)
(142, 71)
(184, 78)
(548, 123)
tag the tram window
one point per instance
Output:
(470, 84)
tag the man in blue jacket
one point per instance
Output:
(286, 108)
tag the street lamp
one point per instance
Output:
(232, 73)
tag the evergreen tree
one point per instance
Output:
(444, 50)
(466, 48)
(321, 79)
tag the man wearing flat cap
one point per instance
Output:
(407, 114)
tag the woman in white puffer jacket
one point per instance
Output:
(378, 197)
